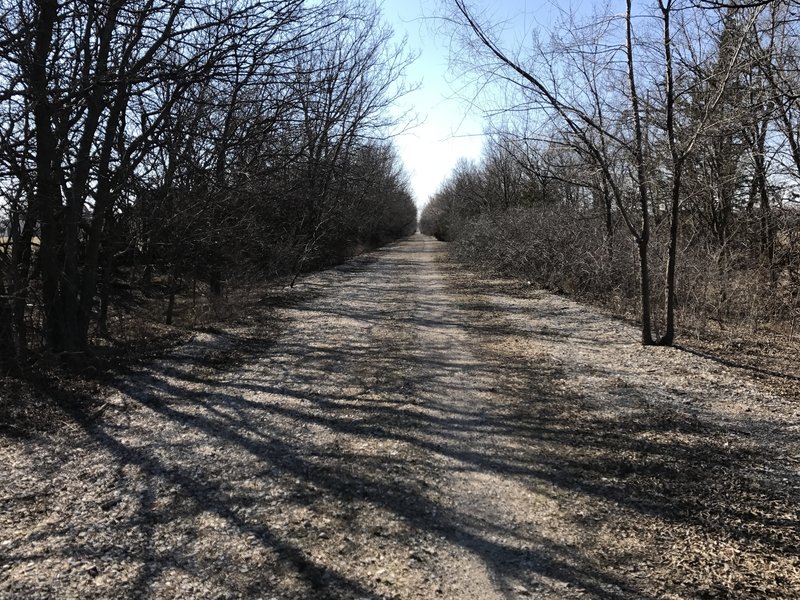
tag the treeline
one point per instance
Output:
(646, 160)
(192, 144)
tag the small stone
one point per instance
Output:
(109, 504)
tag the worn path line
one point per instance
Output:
(392, 349)
(409, 434)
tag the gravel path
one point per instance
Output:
(414, 431)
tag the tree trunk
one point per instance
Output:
(103, 207)
(105, 291)
(47, 196)
(171, 302)
(643, 240)
(644, 279)
(608, 205)
(671, 297)
(21, 250)
(767, 225)
(6, 330)
(677, 167)
(215, 282)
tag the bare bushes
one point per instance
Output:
(560, 237)
(720, 288)
(666, 136)
(737, 284)
(544, 244)
(554, 249)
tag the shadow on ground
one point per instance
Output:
(335, 443)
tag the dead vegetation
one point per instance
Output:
(413, 430)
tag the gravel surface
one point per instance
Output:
(414, 431)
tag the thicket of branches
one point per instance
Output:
(185, 144)
(646, 160)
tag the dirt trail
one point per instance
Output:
(414, 432)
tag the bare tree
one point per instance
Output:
(593, 122)
(171, 138)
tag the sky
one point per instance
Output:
(448, 128)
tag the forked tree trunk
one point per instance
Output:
(675, 192)
(643, 240)
(47, 196)
(644, 280)
(671, 297)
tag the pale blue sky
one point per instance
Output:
(448, 129)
